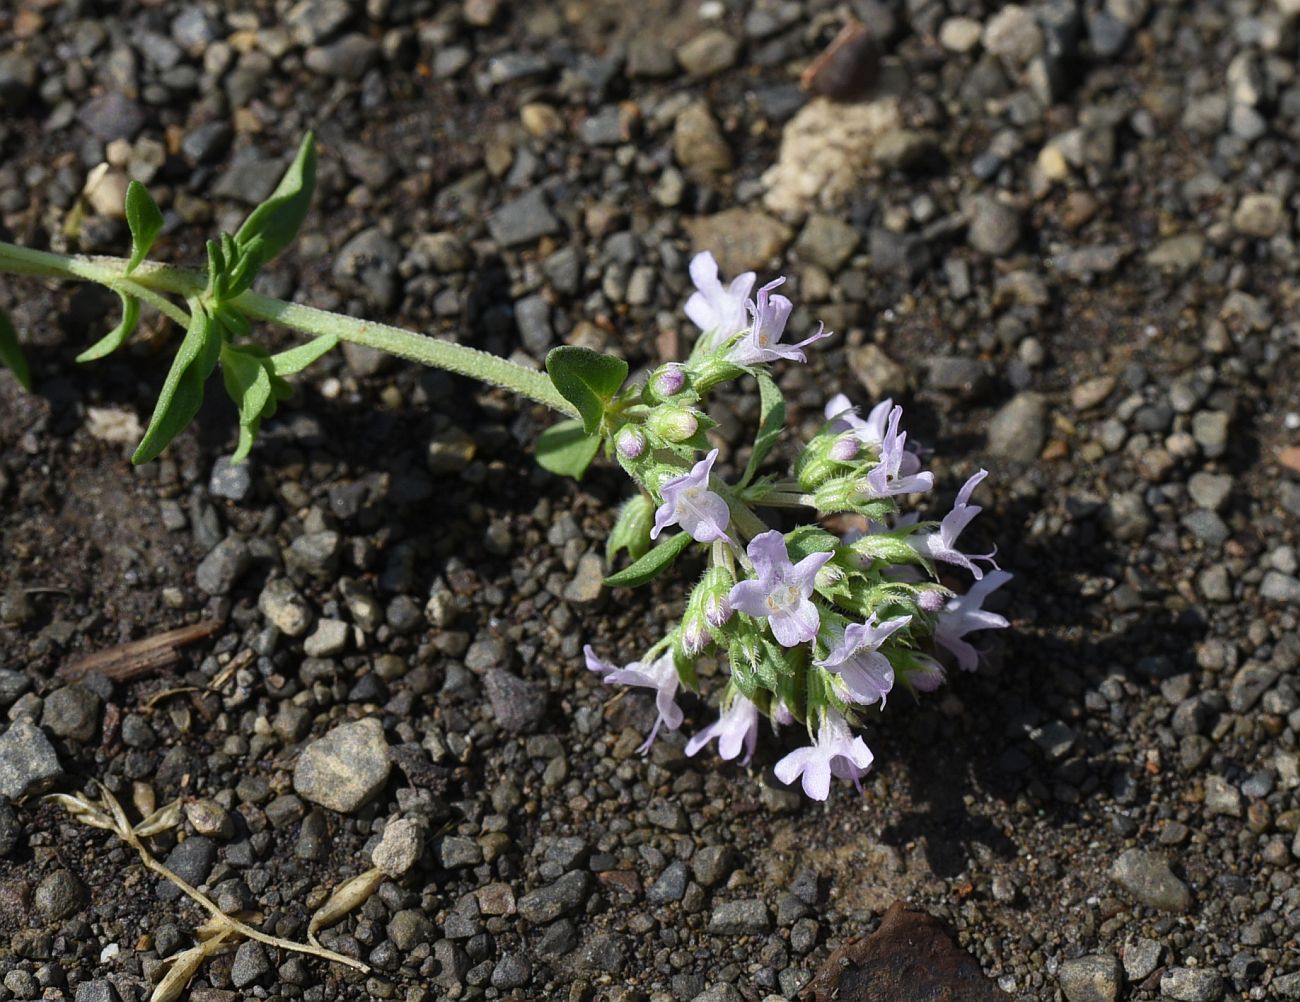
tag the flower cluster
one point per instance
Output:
(811, 627)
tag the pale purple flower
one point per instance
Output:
(886, 478)
(669, 381)
(688, 502)
(844, 420)
(718, 312)
(965, 614)
(942, 544)
(630, 443)
(736, 727)
(762, 342)
(781, 715)
(659, 675)
(867, 674)
(836, 751)
(782, 593)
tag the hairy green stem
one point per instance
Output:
(150, 279)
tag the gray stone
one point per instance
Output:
(517, 705)
(445, 253)
(671, 884)
(112, 116)
(1259, 215)
(1127, 516)
(604, 953)
(740, 239)
(368, 262)
(711, 51)
(12, 685)
(456, 851)
(1013, 35)
(1250, 682)
(994, 226)
(1210, 429)
(224, 565)
(251, 964)
(1191, 984)
(316, 553)
(231, 481)
(533, 317)
(28, 763)
(328, 639)
(192, 861)
(747, 917)
(1221, 797)
(59, 895)
(511, 971)
(713, 864)
(250, 181)
(1019, 429)
(284, 607)
(72, 713)
(409, 928)
(1148, 878)
(98, 990)
(1207, 526)
(1279, 587)
(588, 579)
(1091, 979)
(1178, 253)
(698, 143)
(1141, 958)
(826, 241)
(346, 59)
(1287, 986)
(399, 848)
(523, 221)
(1210, 490)
(313, 21)
(1108, 35)
(562, 897)
(346, 768)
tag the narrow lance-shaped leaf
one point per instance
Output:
(771, 424)
(115, 338)
(182, 392)
(631, 531)
(587, 379)
(11, 352)
(145, 221)
(277, 220)
(566, 449)
(652, 564)
(248, 381)
(286, 363)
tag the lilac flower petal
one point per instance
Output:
(705, 517)
(750, 597)
(796, 625)
(767, 550)
(701, 738)
(805, 571)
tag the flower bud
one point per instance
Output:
(630, 443)
(675, 424)
(668, 381)
(713, 590)
(931, 600)
(844, 449)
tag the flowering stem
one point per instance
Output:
(151, 282)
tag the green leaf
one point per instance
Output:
(145, 220)
(771, 424)
(11, 353)
(182, 392)
(248, 381)
(296, 359)
(566, 449)
(277, 220)
(587, 379)
(809, 539)
(631, 531)
(114, 339)
(653, 563)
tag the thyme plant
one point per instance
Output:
(813, 628)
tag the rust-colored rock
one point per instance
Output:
(908, 959)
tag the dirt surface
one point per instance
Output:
(1132, 398)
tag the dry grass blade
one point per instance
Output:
(348, 895)
(140, 657)
(115, 809)
(83, 810)
(184, 966)
(160, 820)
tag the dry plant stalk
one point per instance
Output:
(220, 929)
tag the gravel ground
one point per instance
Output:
(1063, 235)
